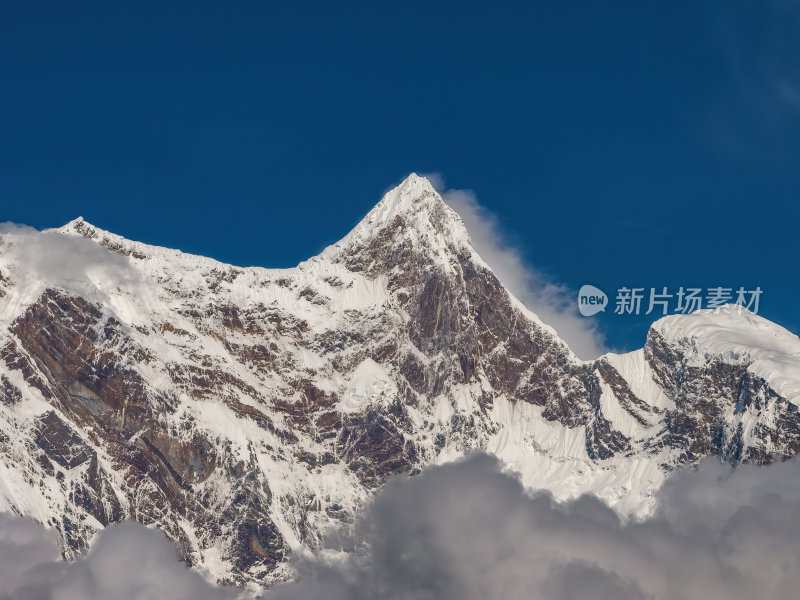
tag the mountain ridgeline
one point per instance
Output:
(247, 411)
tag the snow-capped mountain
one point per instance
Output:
(248, 411)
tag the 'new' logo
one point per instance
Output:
(591, 300)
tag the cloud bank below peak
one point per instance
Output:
(127, 562)
(469, 530)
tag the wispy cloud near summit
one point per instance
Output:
(71, 261)
(553, 302)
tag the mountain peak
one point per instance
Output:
(414, 195)
(413, 211)
(74, 222)
(415, 185)
(79, 226)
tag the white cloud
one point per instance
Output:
(468, 531)
(127, 562)
(24, 548)
(554, 303)
(70, 261)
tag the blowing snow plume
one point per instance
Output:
(554, 303)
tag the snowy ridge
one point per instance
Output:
(733, 334)
(248, 411)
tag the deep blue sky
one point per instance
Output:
(626, 143)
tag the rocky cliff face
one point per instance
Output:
(247, 412)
